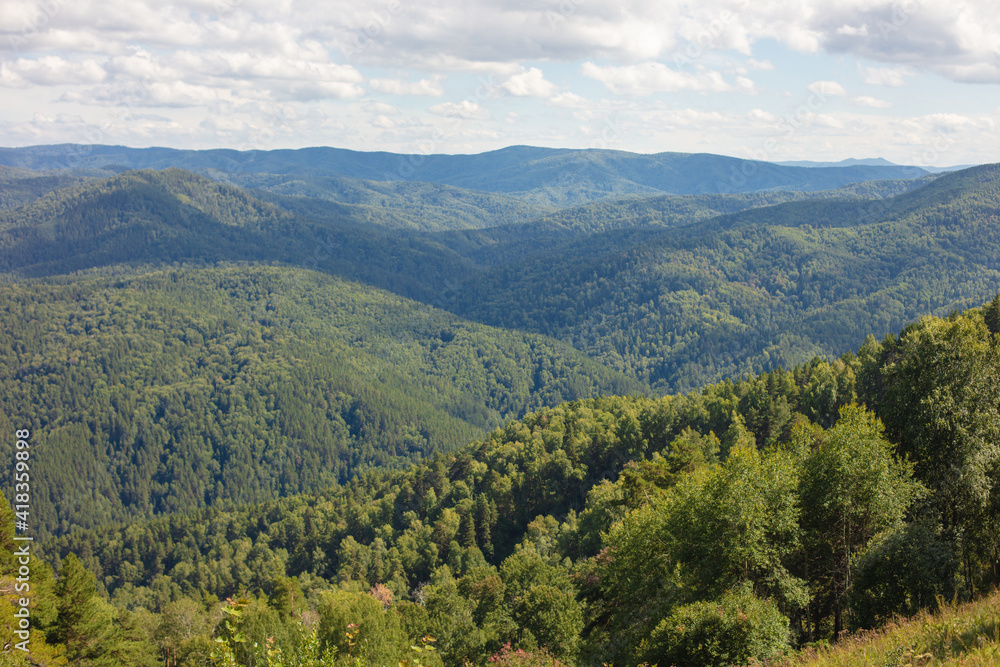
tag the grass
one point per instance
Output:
(965, 634)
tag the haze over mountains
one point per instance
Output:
(877, 161)
(545, 176)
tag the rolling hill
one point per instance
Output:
(662, 289)
(540, 176)
(753, 290)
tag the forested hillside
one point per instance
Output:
(679, 210)
(147, 218)
(754, 290)
(711, 528)
(675, 307)
(20, 186)
(396, 204)
(181, 388)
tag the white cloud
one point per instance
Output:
(829, 88)
(423, 87)
(652, 77)
(942, 37)
(211, 65)
(381, 108)
(853, 31)
(148, 94)
(887, 76)
(972, 73)
(761, 116)
(866, 101)
(531, 83)
(465, 109)
(568, 100)
(50, 71)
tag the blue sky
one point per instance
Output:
(914, 81)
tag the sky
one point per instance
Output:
(912, 81)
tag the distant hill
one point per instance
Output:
(395, 204)
(542, 176)
(20, 186)
(662, 289)
(874, 162)
(748, 291)
(148, 218)
(849, 162)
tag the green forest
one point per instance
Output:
(312, 416)
(736, 522)
(177, 389)
(677, 292)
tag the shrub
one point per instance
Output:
(729, 631)
(899, 573)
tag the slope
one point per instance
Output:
(181, 388)
(503, 244)
(396, 204)
(675, 307)
(749, 291)
(148, 218)
(21, 186)
(602, 529)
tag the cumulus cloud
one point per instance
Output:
(148, 94)
(762, 116)
(531, 83)
(939, 36)
(568, 100)
(423, 87)
(223, 58)
(381, 108)
(653, 77)
(50, 71)
(466, 109)
(948, 38)
(887, 76)
(866, 101)
(828, 88)
(972, 73)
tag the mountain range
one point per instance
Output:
(542, 176)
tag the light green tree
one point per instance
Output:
(852, 487)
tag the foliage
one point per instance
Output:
(733, 630)
(540, 535)
(901, 572)
(938, 386)
(852, 488)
